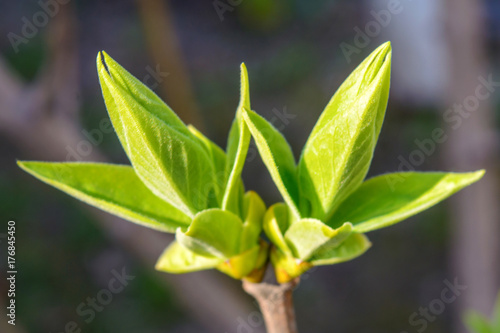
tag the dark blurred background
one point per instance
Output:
(297, 53)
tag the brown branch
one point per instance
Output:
(276, 304)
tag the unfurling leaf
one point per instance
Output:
(171, 161)
(213, 232)
(351, 248)
(177, 259)
(277, 156)
(275, 224)
(253, 211)
(219, 161)
(308, 242)
(339, 150)
(237, 149)
(308, 236)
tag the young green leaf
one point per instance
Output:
(219, 161)
(167, 157)
(286, 267)
(242, 264)
(307, 236)
(143, 96)
(253, 211)
(339, 150)
(385, 200)
(113, 188)
(354, 246)
(177, 259)
(259, 269)
(237, 149)
(275, 224)
(213, 232)
(277, 156)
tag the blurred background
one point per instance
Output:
(443, 114)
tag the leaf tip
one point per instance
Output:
(387, 46)
(469, 178)
(101, 61)
(477, 175)
(243, 68)
(34, 168)
(383, 53)
(245, 89)
(24, 165)
(386, 51)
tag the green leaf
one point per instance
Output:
(477, 323)
(177, 259)
(219, 160)
(277, 156)
(169, 159)
(385, 200)
(213, 232)
(111, 74)
(242, 264)
(237, 149)
(275, 224)
(354, 246)
(307, 236)
(286, 267)
(113, 188)
(339, 150)
(253, 211)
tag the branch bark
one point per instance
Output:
(276, 304)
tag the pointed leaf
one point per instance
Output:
(169, 159)
(354, 246)
(253, 210)
(307, 236)
(257, 274)
(286, 267)
(143, 96)
(213, 232)
(242, 264)
(219, 160)
(176, 259)
(385, 200)
(339, 150)
(237, 149)
(113, 188)
(277, 156)
(275, 224)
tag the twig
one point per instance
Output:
(276, 304)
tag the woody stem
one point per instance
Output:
(276, 304)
